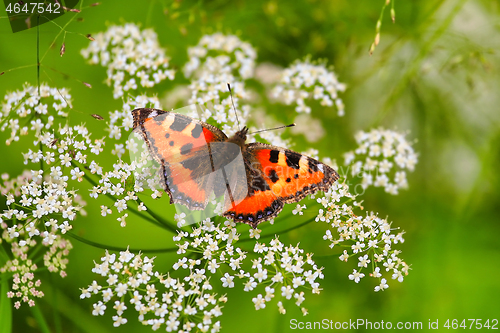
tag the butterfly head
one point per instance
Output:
(240, 137)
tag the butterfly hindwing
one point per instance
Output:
(260, 204)
(291, 175)
(280, 176)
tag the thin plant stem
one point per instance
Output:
(118, 248)
(40, 319)
(281, 232)
(132, 210)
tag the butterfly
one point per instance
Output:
(256, 181)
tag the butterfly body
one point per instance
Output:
(193, 153)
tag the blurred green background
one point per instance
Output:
(434, 74)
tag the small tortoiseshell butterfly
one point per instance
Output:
(187, 148)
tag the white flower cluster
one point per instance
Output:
(216, 61)
(213, 242)
(304, 80)
(371, 238)
(29, 103)
(39, 212)
(67, 154)
(381, 160)
(121, 120)
(159, 300)
(132, 58)
(119, 184)
(221, 53)
(277, 267)
(285, 270)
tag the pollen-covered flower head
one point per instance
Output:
(382, 159)
(40, 105)
(133, 58)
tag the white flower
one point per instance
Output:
(383, 285)
(298, 209)
(227, 281)
(287, 292)
(118, 320)
(364, 261)
(356, 276)
(227, 47)
(177, 298)
(99, 309)
(260, 303)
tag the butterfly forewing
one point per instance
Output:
(196, 161)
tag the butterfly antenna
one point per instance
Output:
(274, 128)
(232, 101)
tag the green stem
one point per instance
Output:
(54, 302)
(150, 12)
(165, 223)
(41, 149)
(411, 73)
(35, 252)
(40, 319)
(5, 306)
(60, 32)
(3, 254)
(118, 248)
(38, 56)
(132, 210)
(281, 232)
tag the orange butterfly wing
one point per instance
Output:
(277, 176)
(180, 145)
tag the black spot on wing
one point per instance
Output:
(258, 184)
(158, 120)
(288, 179)
(199, 164)
(274, 156)
(179, 123)
(273, 176)
(186, 149)
(296, 176)
(292, 159)
(167, 135)
(313, 165)
(197, 130)
(171, 143)
(190, 163)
